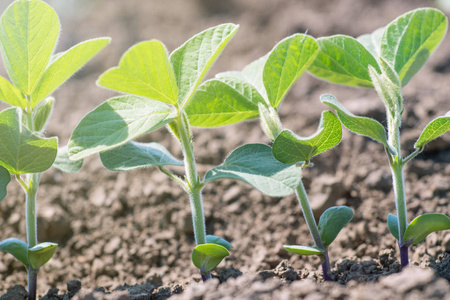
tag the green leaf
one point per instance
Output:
(28, 34)
(135, 155)
(5, 178)
(21, 151)
(64, 163)
(256, 165)
(286, 63)
(342, 59)
(144, 70)
(304, 250)
(409, 40)
(290, 148)
(332, 221)
(17, 248)
(194, 58)
(10, 94)
(423, 225)
(65, 65)
(372, 41)
(42, 114)
(433, 130)
(212, 239)
(223, 101)
(359, 125)
(40, 254)
(116, 122)
(392, 222)
(207, 256)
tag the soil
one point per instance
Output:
(129, 235)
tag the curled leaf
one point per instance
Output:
(332, 221)
(423, 225)
(207, 256)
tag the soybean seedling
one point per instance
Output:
(28, 34)
(164, 90)
(386, 60)
(271, 77)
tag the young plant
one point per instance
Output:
(386, 60)
(271, 77)
(28, 34)
(164, 90)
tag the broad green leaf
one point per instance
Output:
(21, 151)
(290, 148)
(17, 248)
(42, 114)
(10, 94)
(212, 239)
(252, 73)
(207, 256)
(40, 254)
(116, 122)
(286, 63)
(409, 40)
(135, 155)
(256, 165)
(433, 130)
(194, 58)
(423, 225)
(28, 34)
(359, 125)
(144, 70)
(64, 163)
(332, 221)
(65, 65)
(392, 222)
(372, 41)
(304, 250)
(223, 101)
(5, 178)
(342, 59)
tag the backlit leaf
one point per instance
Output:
(207, 256)
(423, 225)
(286, 63)
(433, 130)
(256, 165)
(135, 155)
(116, 122)
(304, 250)
(40, 254)
(409, 40)
(194, 58)
(359, 125)
(144, 70)
(21, 151)
(65, 65)
(290, 148)
(28, 34)
(342, 59)
(223, 101)
(10, 94)
(64, 163)
(372, 41)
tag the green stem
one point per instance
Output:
(193, 182)
(30, 215)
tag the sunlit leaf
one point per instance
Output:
(194, 58)
(433, 130)
(212, 239)
(332, 221)
(423, 225)
(116, 122)
(290, 148)
(10, 94)
(144, 70)
(64, 163)
(207, 256)
(304, 250)
(40, 254)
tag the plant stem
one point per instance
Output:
(194, 186)
(32, 283)
(313, 229)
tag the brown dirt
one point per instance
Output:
(131, 232)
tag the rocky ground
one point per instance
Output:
(131, 232)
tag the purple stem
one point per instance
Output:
(326, 267)
(404, 260)
(205, 275)
(32, 283)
